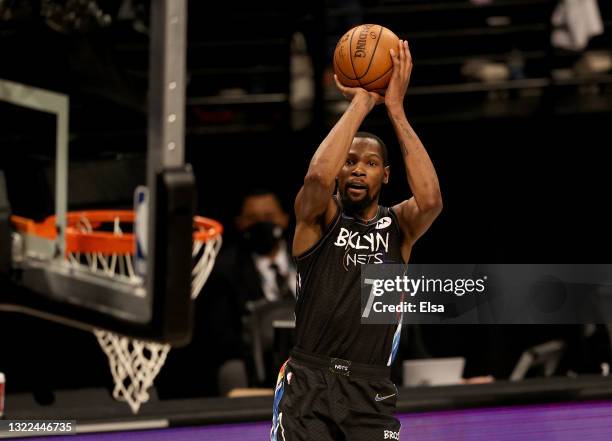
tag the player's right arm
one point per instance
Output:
(314, 206)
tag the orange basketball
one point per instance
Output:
(362, 58)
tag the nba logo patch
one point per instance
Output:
(383, 223)
(141, 225)
(289, 377)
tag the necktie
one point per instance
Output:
(281, 282)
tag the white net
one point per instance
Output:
(135, 363)
(116, 266)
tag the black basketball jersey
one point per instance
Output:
(328, 312)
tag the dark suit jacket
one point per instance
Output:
(234, 281)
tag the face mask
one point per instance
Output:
(262, 237)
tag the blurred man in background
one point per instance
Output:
(252, 284)
(252, 279)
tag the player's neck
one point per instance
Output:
(368, 214)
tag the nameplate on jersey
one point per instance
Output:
(340, 366)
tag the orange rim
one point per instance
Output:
(104, 242)
(206, 229)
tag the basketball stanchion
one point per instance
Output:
(101, 242)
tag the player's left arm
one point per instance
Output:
(416, 214)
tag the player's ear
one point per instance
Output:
(386, 174)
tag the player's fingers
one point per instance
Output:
(394, 58)
(338, 84)
(400, 52)
(342, 88)
(396, 64)
(407, 54)
(379, 96)
(407, 59)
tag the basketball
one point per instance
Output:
(362, 59)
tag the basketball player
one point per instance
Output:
(335, 385)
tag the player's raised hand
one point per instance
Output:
(402, 68)
(350, 92)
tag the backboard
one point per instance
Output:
(156, 305)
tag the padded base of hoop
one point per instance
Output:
(53, 289)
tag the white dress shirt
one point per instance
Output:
(268, 276)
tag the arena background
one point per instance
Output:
(521, 155)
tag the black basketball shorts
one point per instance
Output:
(329, 399)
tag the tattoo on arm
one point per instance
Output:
(404, 148)
(351, 108)
(406, 132)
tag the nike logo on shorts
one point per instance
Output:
(379, 398)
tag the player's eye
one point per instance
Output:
(372, 164)
(349, 162)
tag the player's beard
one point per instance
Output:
(357, 207)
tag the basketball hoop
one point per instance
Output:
(103, 242)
